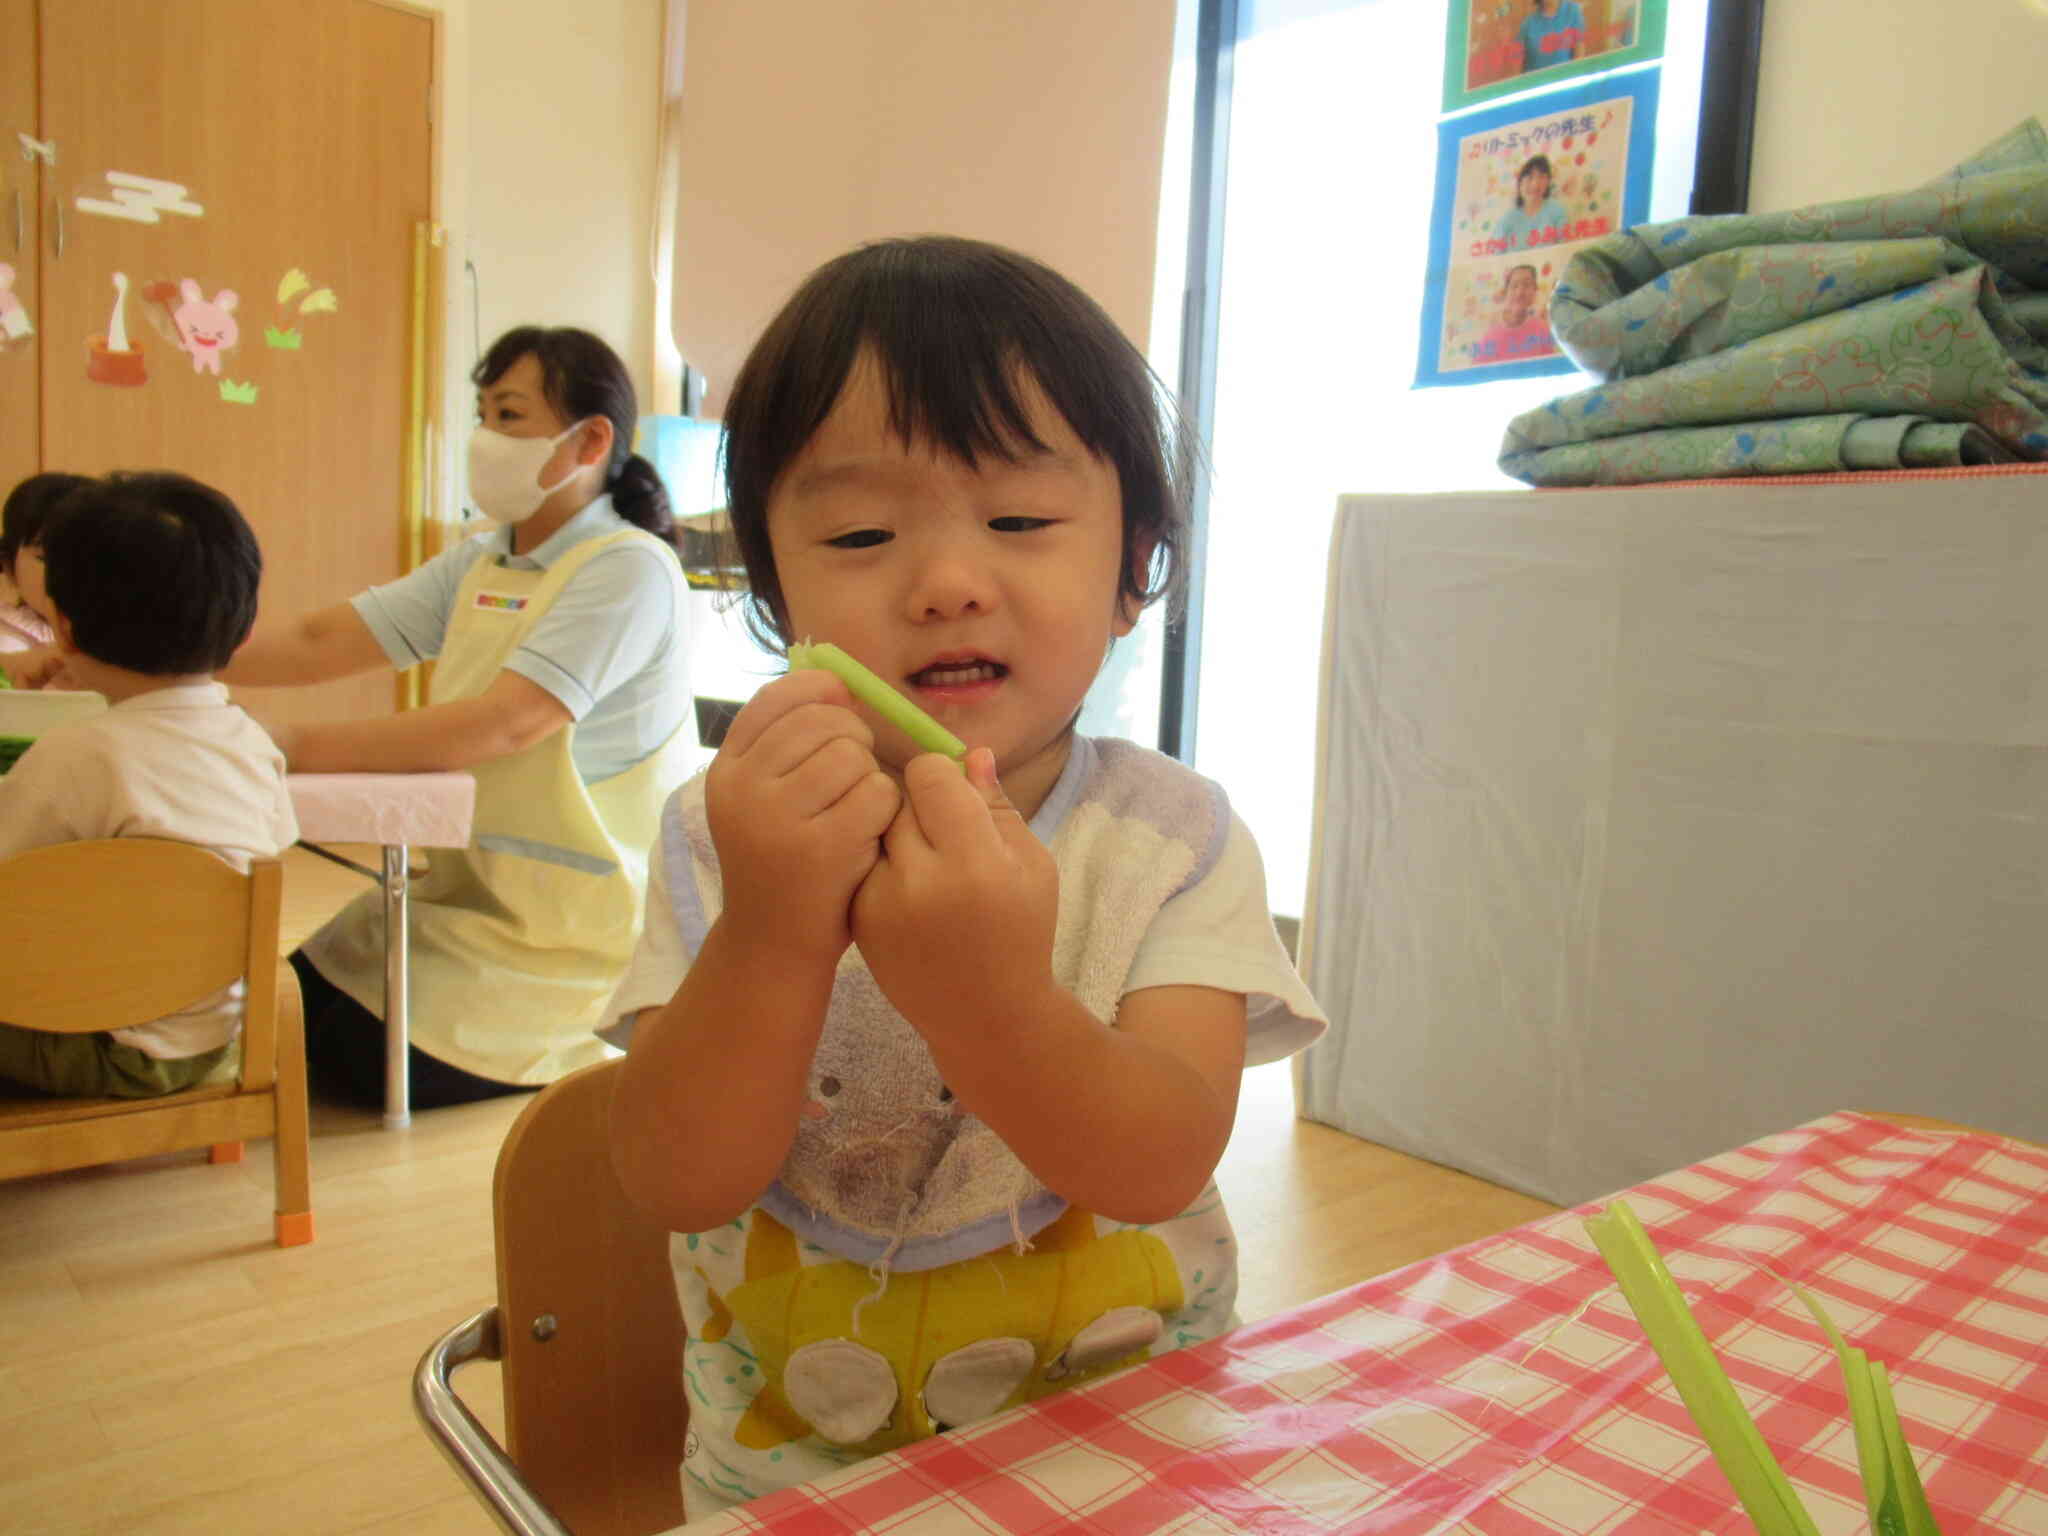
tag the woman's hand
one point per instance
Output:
(959, 914)
(797, 806)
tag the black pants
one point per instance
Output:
(345, 1053)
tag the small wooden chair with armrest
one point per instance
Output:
(588, 1332)
(120, 931)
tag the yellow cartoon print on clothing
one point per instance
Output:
(878, 1368)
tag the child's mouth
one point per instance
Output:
(958, 674)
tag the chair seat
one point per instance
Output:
(39, 1111)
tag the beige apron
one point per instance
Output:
(519, 939)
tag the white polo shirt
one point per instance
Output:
(610, 648)
(180, 763)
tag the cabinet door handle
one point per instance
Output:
(17, 221)
(57, 204)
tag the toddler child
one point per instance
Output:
(23, 627)
(929, 1069)
(152, 584)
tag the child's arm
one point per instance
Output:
(957, 925)
(708, 1100)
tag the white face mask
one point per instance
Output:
(504, 473)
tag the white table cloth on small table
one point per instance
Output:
(399, 811)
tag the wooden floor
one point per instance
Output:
(163, 1368)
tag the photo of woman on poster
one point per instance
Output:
(1500, 46)
(1519, 187)
(1554, 32)
(1536, 216)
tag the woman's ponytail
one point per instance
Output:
(640, 497)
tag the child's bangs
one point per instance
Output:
(962, 393)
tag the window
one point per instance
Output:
(1331, 135)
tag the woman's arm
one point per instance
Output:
(507, 717)
(313, 648)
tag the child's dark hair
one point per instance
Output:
(583, 377)
(154, 572)
(955, 325)
(28, 508)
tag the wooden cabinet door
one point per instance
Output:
(239, 183)
(20, 192)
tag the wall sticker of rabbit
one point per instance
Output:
(206, 327)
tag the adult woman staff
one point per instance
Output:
(1536, 216)
(559, 682)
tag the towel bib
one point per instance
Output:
(894, 1172)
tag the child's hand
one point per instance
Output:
(962, 906)
(39, 667)
(797, 806)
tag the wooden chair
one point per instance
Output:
(119, 931)
(587, 1329)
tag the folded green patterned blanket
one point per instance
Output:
(1893, 332)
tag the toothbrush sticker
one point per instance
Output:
(109, 359)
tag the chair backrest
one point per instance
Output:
(591, 1333)
(122, 930)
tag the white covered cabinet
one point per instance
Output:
(1652, 820)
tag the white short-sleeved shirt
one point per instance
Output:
(1215, 932)
(610, 648)
(180, 763)
(1218, 933)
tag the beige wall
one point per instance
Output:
(811, 125)
(545, 179)
(563, 107)
(1867, 96)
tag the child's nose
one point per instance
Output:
(950, 583)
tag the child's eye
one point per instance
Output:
(861, 538)
(1019, 524)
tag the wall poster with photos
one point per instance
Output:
(1501, 47)
(1519, 189)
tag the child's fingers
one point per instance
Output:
(953, 812)
(1008, 821)
(780, 698)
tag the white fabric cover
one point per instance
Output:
(1652, 820)
(425, 810)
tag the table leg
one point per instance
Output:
(397, 991)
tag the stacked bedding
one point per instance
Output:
(1907, 331)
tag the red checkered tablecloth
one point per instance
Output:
(1505, 1388)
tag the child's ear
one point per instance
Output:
(1129, 608)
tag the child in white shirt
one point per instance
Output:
(151, 583)
(22, 626)
(929, 1068)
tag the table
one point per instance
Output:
(1505, 1387)
(399, 811)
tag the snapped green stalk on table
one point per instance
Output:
(1891, 1485)
(925, 732)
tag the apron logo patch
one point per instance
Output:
(502, 602)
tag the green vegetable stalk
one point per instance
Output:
(921, 728)
(1897, 1503)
